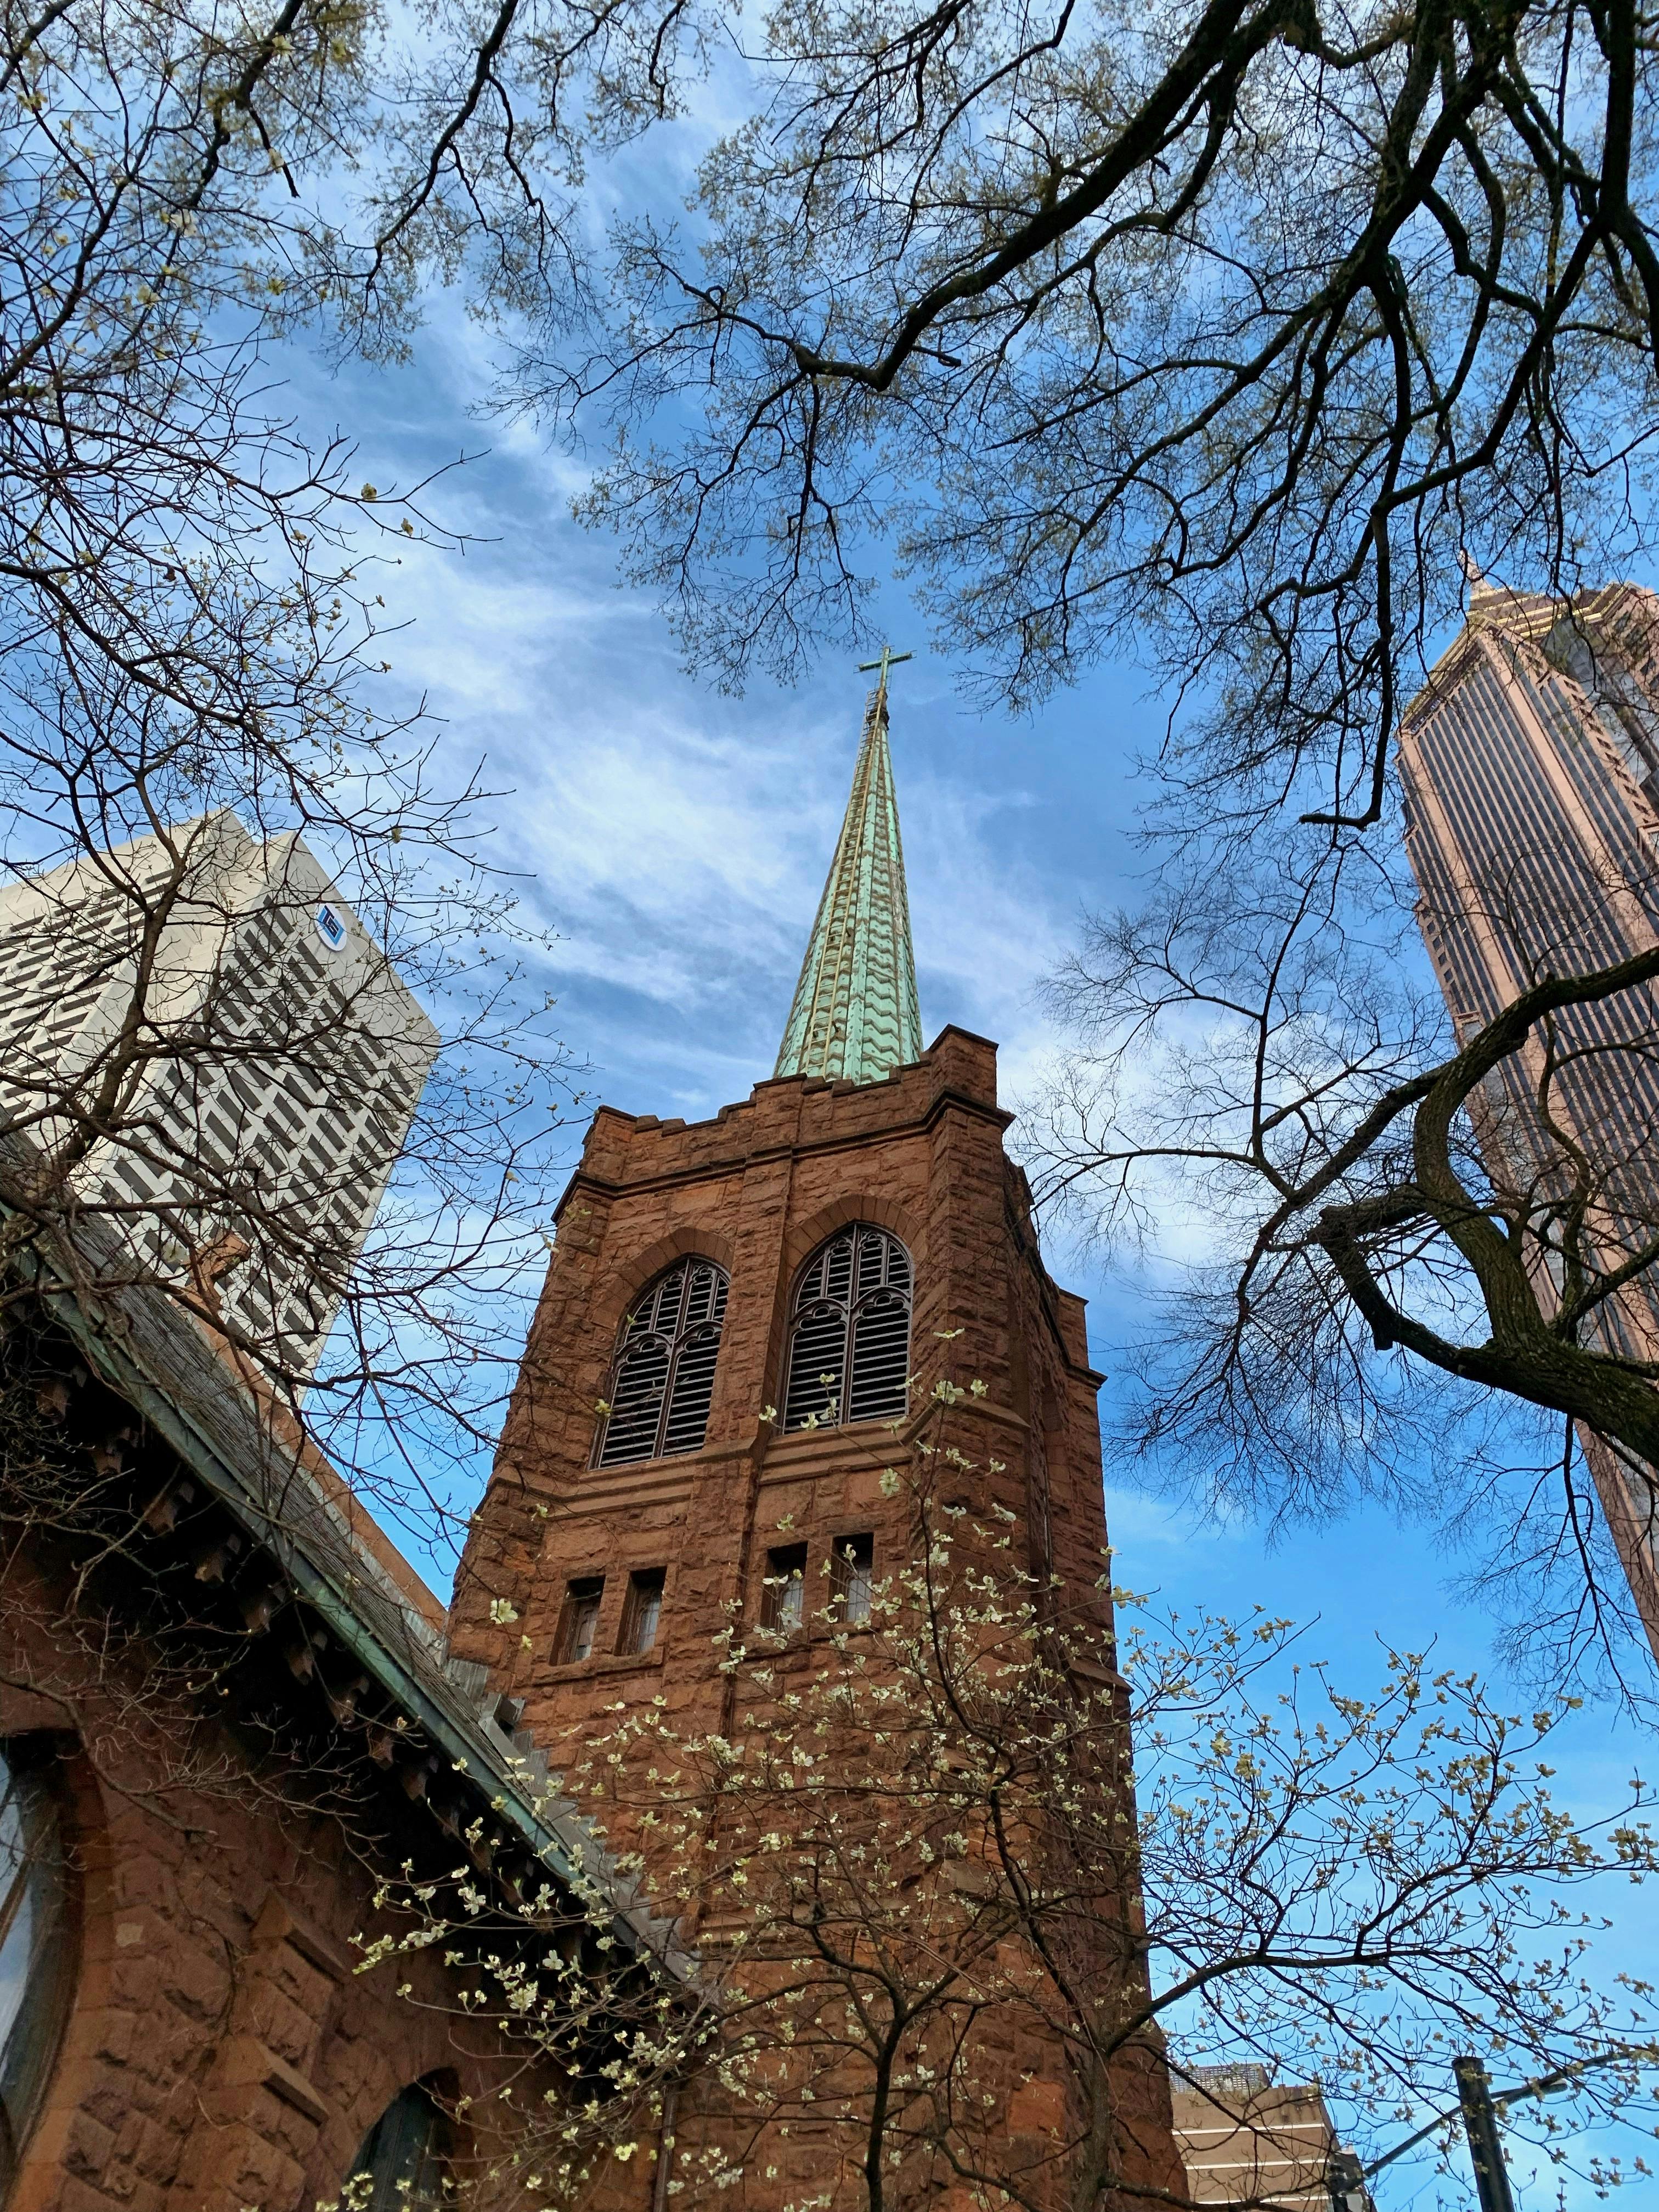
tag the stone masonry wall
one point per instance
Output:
(758, 1188)
(220, 2054)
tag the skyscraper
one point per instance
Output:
(1530, 765)
(737, 1343)
(279, 1062)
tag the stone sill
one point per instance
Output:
(602, 1663)
(801, 1646)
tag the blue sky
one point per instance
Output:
(676, 841)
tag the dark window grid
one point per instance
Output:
(242, 1083)
(283, 1114)
(880, 1362)
(1478, 726)
(817, 1368)
(1492, 813)
(638, 1393)
(690, 1391)
(1599, 721)
(1459, 959)
(1558, 842)
(850, 1339)
(1597, 1101)
(70, 1012)
(215, 1122)
(207, 1151)
(830, 1274)
(1606, 801)
(1567, 890)
(1628, 861)
(302, 1089)
(663, 1382)
(26, 962)
(1493, 818)
(1464, 962)
(1439, 902)
(1594, 1096)
(1613, 1132)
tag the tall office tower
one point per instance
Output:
(1530, 764)
(742, 1324)
(279, 1062)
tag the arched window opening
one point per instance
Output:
(664, 1375)
(850, 1342)
(36, 1947)
(403, 2164)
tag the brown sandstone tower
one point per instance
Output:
(706, 1282)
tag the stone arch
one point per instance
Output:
(430, 2096)
(362, 2071)
(703, 1241)
(806, 1236)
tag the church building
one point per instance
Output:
(743, 1320)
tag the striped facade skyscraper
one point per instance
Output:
(1530, 767)
(283, 1062)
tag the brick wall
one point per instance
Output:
(220, 2053)
(758, 1188)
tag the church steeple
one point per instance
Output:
(855, 1015)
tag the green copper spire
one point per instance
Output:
(855, 1015)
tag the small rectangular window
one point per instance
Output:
(783, 1597)
(578, 1623)
(643, 1610)
(852, 1562)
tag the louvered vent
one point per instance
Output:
(664, 1376)
(817, 1366)
(881, 1358)
(693, 1386)
(849, 1347)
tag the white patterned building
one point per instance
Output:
(281, 1058)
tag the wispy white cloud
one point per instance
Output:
(676, 840)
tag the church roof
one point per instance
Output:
(299, 1537)
(855, 1016)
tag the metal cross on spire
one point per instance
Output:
(889, 659)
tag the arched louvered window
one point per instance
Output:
(402, 2165)
(849, 1339)
(664, 1375)
(36, 1950)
